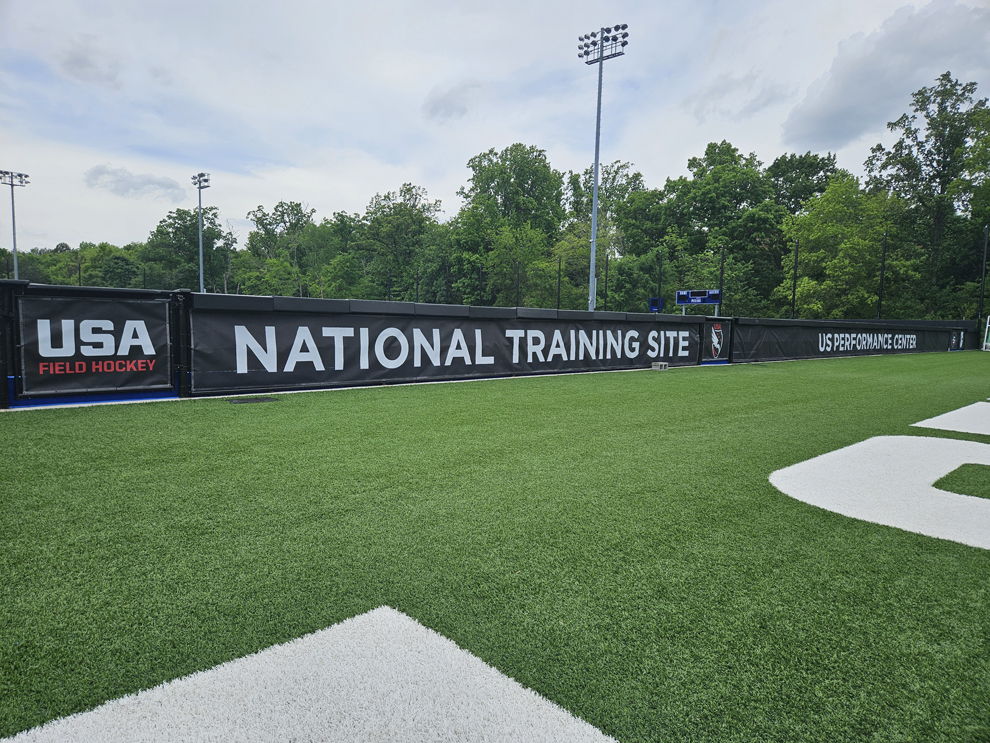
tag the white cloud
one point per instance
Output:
(83, 60)
(330, 102)
(873, 75)
(123, 182)
(453, 102)
(737, 96)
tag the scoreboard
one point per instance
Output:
(699, 296)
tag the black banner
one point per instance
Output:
(93, 345)
(234, 350)
(717, 340)
(770, 342)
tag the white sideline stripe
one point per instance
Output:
(973, 418)
(889, 480)
(380, 676)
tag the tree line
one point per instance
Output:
(522, 233)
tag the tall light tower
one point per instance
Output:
(11, 179)
(595, 48)
(201, 181)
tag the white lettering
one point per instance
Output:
(614, 342)
(135, 334)
(531, 347)
(591, 344)
(380, 348)
(632, 345)
(243, 340)
(458, 348)
(338, 335)
(516, 336)
(557, 347)
(363, 335)
(682, 343)
(106, 341)
(303, 338)
(45, 339)
(654, 350)
(420, 344)
(479, 357)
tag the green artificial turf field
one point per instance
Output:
(970, 479)
(609, 540)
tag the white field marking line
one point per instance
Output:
(973, 418)
(380, 676)
(889, 480)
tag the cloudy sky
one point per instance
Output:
(111, 107)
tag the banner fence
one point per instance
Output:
(84, 344)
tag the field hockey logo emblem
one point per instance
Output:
(716, 340)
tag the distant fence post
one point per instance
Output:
(797, 244)
(183, 338)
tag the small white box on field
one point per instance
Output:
(659, 366)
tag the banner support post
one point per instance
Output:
(983, 270)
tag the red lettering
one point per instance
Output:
(97, 366)
(151, 364)
(131, 365)
(141, 365)
(41, 367)
(80, 367)
(121, 366)
(60, 367)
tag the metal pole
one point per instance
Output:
(721, 281)
(883, 266)
(389, 289)
(417, 285)
(797, 243)
(517, 283)
(480, 284)
(13, 225)
(659, 277)
(606, 282)
(560, 265)
(983, 273)
(200, 189)
(592, 283)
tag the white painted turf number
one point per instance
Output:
(890, 480)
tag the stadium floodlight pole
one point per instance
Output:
(883, 266)
(201, 181)
(797, 244)
(983, 271)
(595, 48)
(12, 179)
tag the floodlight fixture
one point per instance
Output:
(610, 46)
(10, 178)
(201, 181)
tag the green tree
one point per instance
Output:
(841, 238)
(796, 178)
(516, 186)
(726, 200)
(925, 167)
(398, 225)
(171, 253)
